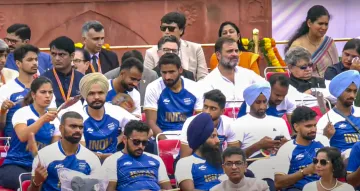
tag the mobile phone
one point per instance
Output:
(278, 138)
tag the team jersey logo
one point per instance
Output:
(82, 166)
(128, 163)
(111, 126)
(90, 130)
(202, 167)
(299, 157)
(342, 126)
(19, 97)
(166, 101)
(152, 163)
(59, 166)
(187, 101)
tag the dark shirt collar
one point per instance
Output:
(62, 74)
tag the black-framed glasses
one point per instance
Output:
(304, 67)
(137, 142)
(170, 28)
(11, 41)
(78, 60)
(237, 164)
(323, 162)
(169, 50)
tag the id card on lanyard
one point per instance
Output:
(98, 65)
(61, 87)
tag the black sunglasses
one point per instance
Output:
(323, 162)
(170, 28)
(137, 142)
(310, 65)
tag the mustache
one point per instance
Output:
(76, 134)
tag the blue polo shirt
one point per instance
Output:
(44, 61)
(65, 81)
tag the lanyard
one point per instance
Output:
(98, 64)
(61, 87)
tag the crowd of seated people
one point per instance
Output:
(80, 109)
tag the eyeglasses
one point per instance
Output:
(78, 60)
(137, 142)
(11, 41)
(169, 50)
(304, 67)
(170, 28)
(323, 162)
(237, 164)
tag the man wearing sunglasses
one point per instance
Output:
(341, 123)
(18, 35)
(170, 44)
(234, 166)
(132, 168)
(293, 164)
(191, 54)
(200, 171)
(298, 59)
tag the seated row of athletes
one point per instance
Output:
(170, 103)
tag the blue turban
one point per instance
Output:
(252, 92)
(342, 81)
(199, 130)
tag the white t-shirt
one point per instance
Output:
(249, 129)
(233, 91)
(225, 133)
(146, 172)
(134, 94)
(312, 186)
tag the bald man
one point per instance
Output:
(103, 122)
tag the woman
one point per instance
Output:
(350, 51)
(329, 166)
(247, 59)
(311, 35)
(81, 60)
(32, 118)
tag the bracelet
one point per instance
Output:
(36, 185)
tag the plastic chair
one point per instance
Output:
(232, 112)
(25, 181)
(4, 149)
(143, 117)
(287, 123)
(167, 150)
(268, 74)
(25, 185)
(5, 189)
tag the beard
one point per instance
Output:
(171, 83)
(134, 153)
(72, 139)
(308, 137)
(92, 104)
(230, 63)
(211, 154)
(126, 86)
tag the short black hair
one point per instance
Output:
(132, 53)
(166, 39)
(353, 44)
(281, 78)
(20, 52)
(132, 62)
(135, 125)
(85, 53)
(63, 43)
(334, 155)
(233, 151)
(70, 114)
(301, 114)
(21, 30)
(216, 96)
(221, 41)
(170, 58)
(175, 17)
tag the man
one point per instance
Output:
(132, 168)
(170, 44)
(18, 35)
(259, 140)
(191, 54)
(147, 77)
(63, 76)
(13, 92)
(229, 78)
(293, 164)
(171, 99)
(341, 123)
(81, 61)
(214, 104)
(201, 170)
(103, 122)
(353, 167)
(102, 60)
(126, 82)
(279, 102)
(5, 73)
(65, 153)
(234, 166)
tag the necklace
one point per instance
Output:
(316, 45)
(336, 183)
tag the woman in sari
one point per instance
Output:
(247, 59)
(311, 35)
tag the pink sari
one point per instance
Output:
(326, 55)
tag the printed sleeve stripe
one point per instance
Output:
(184, 180)
(280, 173)
(163, 181)
(150, 108)
(349, 172)
(18, 123)
(184, 143)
